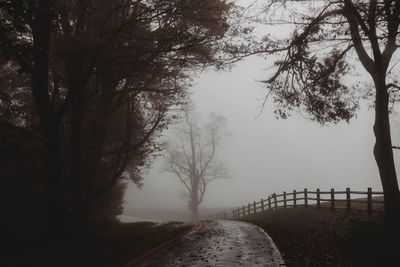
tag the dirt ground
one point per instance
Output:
(110, 246)
(311, 237)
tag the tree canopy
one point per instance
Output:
(101, 77)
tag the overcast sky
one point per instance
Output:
(265, 155)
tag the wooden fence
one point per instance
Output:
(334, 200)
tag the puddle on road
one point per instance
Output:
(222, 243)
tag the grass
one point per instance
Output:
(321, 237)
(121, 244)
(108, 246)
(359, 204)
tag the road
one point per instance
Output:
(222, 243)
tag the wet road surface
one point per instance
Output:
(222, 243)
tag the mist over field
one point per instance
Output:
(263, 154)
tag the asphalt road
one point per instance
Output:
(222, 243)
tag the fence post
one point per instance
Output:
(269, 202)
(243, 210)
(262, 204)
(254, 207)
(318, 199)
(233, 213)
(248, 209)
(294, 199)
(276, 203)
(369, 203)
(305, 198)
(348, 200)
(332, 199)
(284, 199)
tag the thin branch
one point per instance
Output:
(135, 146)
(392, 85)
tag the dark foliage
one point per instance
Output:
(85, 89)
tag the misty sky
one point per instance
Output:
(265, 155)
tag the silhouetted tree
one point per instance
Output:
(130, 56)
(103, 76)
(193, 159)
(309, 74)
(25, 33)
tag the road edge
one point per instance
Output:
(277, 253)
(143, 259)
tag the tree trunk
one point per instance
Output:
(47, 116)
(195, 198)
(195, 211)
(195, 214)
(384, 157)
(383, 153)
(195, 178)
(75, 161)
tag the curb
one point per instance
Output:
(142, 260)
(277, 254)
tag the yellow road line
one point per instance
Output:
(146, 257)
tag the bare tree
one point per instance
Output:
(193, 161)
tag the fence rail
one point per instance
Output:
(336, 200)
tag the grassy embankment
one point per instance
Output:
(107, 246)
(321, 237)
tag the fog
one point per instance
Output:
(264, 154)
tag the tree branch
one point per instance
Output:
(178, 174)
(135, 146)
(362, 54)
